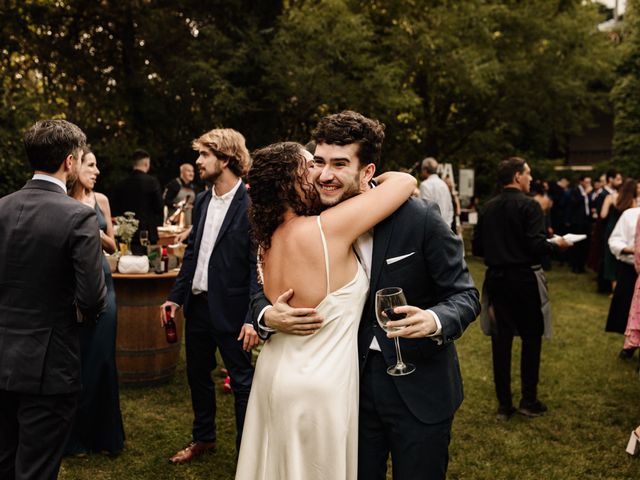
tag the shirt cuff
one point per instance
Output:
(260, 322)
(437, 335)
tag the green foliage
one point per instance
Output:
(467, 81)
(498, 78)
(323, 59)
(626, 100)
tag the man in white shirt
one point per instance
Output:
(434, 189)
(216, 279)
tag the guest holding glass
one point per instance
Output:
(98, 423)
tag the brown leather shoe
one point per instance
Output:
(191, 451)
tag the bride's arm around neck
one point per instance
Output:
(351, 218)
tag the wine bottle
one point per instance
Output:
(170, 326)
(164, 260)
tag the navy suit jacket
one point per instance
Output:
(232, 273)
(578, 219)
(434, 276)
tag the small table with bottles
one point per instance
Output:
(143, 355)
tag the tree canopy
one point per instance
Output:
(466, 81)
(625, 95)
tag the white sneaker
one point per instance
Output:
(634, 443)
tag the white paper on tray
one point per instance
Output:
(569, 237)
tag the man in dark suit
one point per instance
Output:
(50, 273)
(410, 416)
(613, 180)
(218, 275)
(579, 221)
(141, 193)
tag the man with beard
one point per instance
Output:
(409, 416)
(216, 279)
(50, 279)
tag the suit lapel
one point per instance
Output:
(381, 238)
(231, 213)
(201, 222)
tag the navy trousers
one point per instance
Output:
(419, 451)
(202, 340)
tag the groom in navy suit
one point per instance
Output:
(217, 277)
(407, 417)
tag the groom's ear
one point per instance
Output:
(366, 174)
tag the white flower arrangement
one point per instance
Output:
(127, 226)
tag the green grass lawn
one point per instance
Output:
(593, 399)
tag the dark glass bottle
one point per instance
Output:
(170, 326)
(164, 260)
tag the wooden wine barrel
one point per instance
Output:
(143, 355)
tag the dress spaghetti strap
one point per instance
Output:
(326, 254)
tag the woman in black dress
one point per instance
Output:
(98, 423)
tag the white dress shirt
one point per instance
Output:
(624, 235)
(436, 190)
(216, 211)
(49, 178)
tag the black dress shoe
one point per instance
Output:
(504, 412)
(532, 409)
(626, 353)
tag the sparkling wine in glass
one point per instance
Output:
(386, 300)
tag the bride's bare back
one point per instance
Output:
(296, 260)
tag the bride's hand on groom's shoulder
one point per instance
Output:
(295, 321)
(417, 324)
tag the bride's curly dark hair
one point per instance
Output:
(273, 176)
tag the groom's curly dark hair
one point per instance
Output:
(349, 127)
(274, 173)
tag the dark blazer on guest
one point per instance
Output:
(578, 219)
(416, 250)
(50, 267)
(232, 266)
(141, 193)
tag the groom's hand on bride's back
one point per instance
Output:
(295, 321)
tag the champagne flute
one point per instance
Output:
(386, 300)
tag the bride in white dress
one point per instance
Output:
(302, 417)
